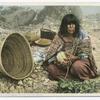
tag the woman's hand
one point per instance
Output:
(72, 57)
(62, 58)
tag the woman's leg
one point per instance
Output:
(81, 69)
(55, 72)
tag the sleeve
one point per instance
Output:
(55, 46)
(84, 48)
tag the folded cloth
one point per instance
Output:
(39, 57)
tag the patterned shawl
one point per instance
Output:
(79, 46)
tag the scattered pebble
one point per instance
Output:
(20, 82)
(38, 81)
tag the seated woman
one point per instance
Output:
(76, 45)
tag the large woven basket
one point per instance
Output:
(15, 56)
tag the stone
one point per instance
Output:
(20, 89)
(30, 83)
(43, 78)
(12, 89)
(36, 71)
(94, 48)
(46, 80)
(29, 90)
(34, 76)
(38, 67)
(20, 83)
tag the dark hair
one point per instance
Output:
(68, 19)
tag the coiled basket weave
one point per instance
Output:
(15, 56)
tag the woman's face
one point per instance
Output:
(71, 28)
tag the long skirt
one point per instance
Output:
(80, 69)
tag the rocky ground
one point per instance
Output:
(38, 81)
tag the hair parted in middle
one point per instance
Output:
(69, 19)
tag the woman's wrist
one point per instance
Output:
(74, 58)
